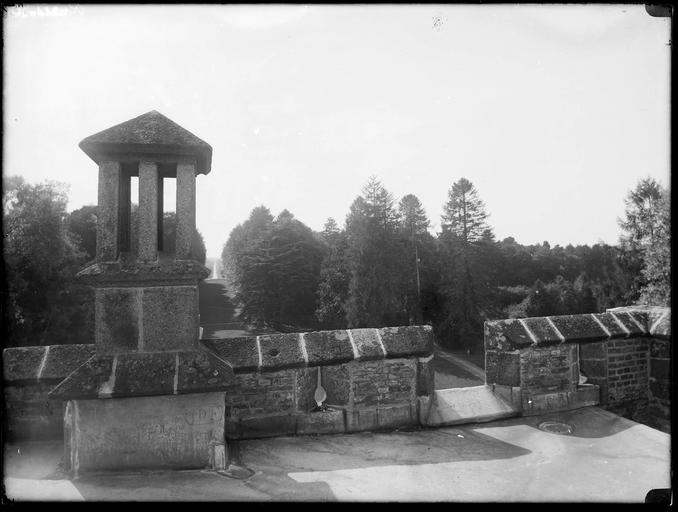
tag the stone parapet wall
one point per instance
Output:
(372, 378)
(623, 353)
(29, 374)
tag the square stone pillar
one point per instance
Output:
(148, 211)
(108, 215)
(185, 210)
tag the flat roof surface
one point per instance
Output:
(606, 458)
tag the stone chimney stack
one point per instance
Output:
(146, 294)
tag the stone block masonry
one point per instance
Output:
(374, 379)
(623, 353)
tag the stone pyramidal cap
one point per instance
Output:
(149, 134)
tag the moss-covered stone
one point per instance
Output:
(407, 340)
(241, 353)
(281, 351)
(328, 347)
(507, 334)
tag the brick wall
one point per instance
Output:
(627, 370)
(624, 353)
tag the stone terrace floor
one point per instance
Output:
(606, 459)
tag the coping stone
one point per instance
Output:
(328, 347)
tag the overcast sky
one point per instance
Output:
(553, 112)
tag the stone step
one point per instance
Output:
(466, 405)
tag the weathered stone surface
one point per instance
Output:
(660, 368)
(164, 272)
(148, 134)
(199, 372)
(543, 331)
(368, 344)
(241, 353)
(579, 328)
(397, 416)
(593, 350)
(262, 394)
(613, 326)
(185, 210)
(337, 384)
(593, 367)
(360, 420)
(507, 334)
(328, 347)
(660, 324)
(107, 214)
(325, 422)
(63, 359)
(383, 382)
(660, 388)
(87, 380)
(116, 320)
(502, 368)
(144, 374)
(548, 370)
(29, 414)
(281, 351)
(22, 363)
(268, 426)
(407, 340)
(146, 432)
(148, 212)
(425, 376)
(306, 380)
(559, 401)
(170, 318)
(660, 348)
(634, 326)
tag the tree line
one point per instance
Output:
(383, 267)
(44, 247)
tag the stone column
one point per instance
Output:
(161, 213)
(185, 210)
(148, 211)
(109, 203)
(124, 210)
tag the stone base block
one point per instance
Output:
(325, 422)
(268, 426)
(583, 396)
(182, 431)
(359, 420)
(382, 418)
(467, 405)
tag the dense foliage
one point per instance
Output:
(385, 268)
(44, 247)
